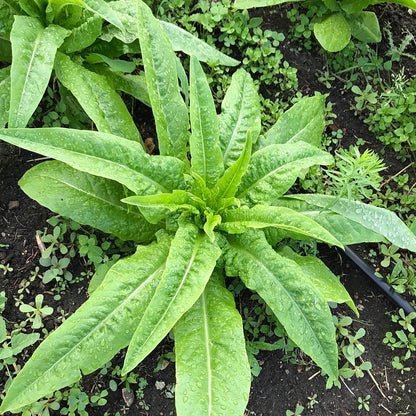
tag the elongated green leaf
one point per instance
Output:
(227, 185)
(183, 41)
(333, 33)
(156, 207)
(283, 286)
(236, 221)
(305, 121)
(102, 154)
(212, 220)
(364, 26)
(90, 337)
(191, 260)
(240, 113)
(103, 9)
(5, 86)
(248, 4)
(34, 48)
(97, 98)
(376, 219)
(86, 199)
(321, 277)
(205, 151)
(83, 35)
(273, 170)
(212, 376)
(169, 109)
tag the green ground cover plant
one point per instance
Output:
(335, 21)
(222, 209)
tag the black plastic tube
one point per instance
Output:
(385, 287)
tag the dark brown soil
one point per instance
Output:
(280, 385)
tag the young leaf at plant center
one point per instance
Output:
(87, 199)
(206, 153)
(202, 354)
(240, 112)
(281, 283)
(192, 258)
(97, 98)
(91, 336)
(304, 121)
(34, 48)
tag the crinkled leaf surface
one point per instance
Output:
(102, 154)
(90, 337)
(34, 48)
(97, 98)
(240, 112)
(212, 372)
(273, 170)
(206, 155)
(304, 121)
(321, 277)
(376, 219)
(169, 109)
(281, 283)
(192, 258)
(236, 221)
(5, 85)
(84, 35)
(184, 41)
(86, 199)
(343, 229)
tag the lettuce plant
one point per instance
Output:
(340, 19)
(211, 204)
(70, 38)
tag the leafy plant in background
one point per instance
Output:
(81, 51)
(224, 208)
(337, 20)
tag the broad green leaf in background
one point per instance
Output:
(5, 50)
(84, 35)
(102, 154)
(116, 65)
(281, 283)
(192, 258)
(240, 112)
(86, 199)
(32, 7)
(183, 41)
(304, 121)
(34, 48)
(103, 9)
(321, 277)
(227, 185)
(376, 219)
(90, 337)
(169, 109)
(407, 3)
(97, 98)
(248, 4)
(4, 95)
(333, 32)
(354, 6)
(365, 27)
(205, 150)
(210, 348)
(274, 169)
(239, 220)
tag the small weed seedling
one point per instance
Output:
(364, 403)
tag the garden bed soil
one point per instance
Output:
(280, 385)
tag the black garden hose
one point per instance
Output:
(385, 287)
